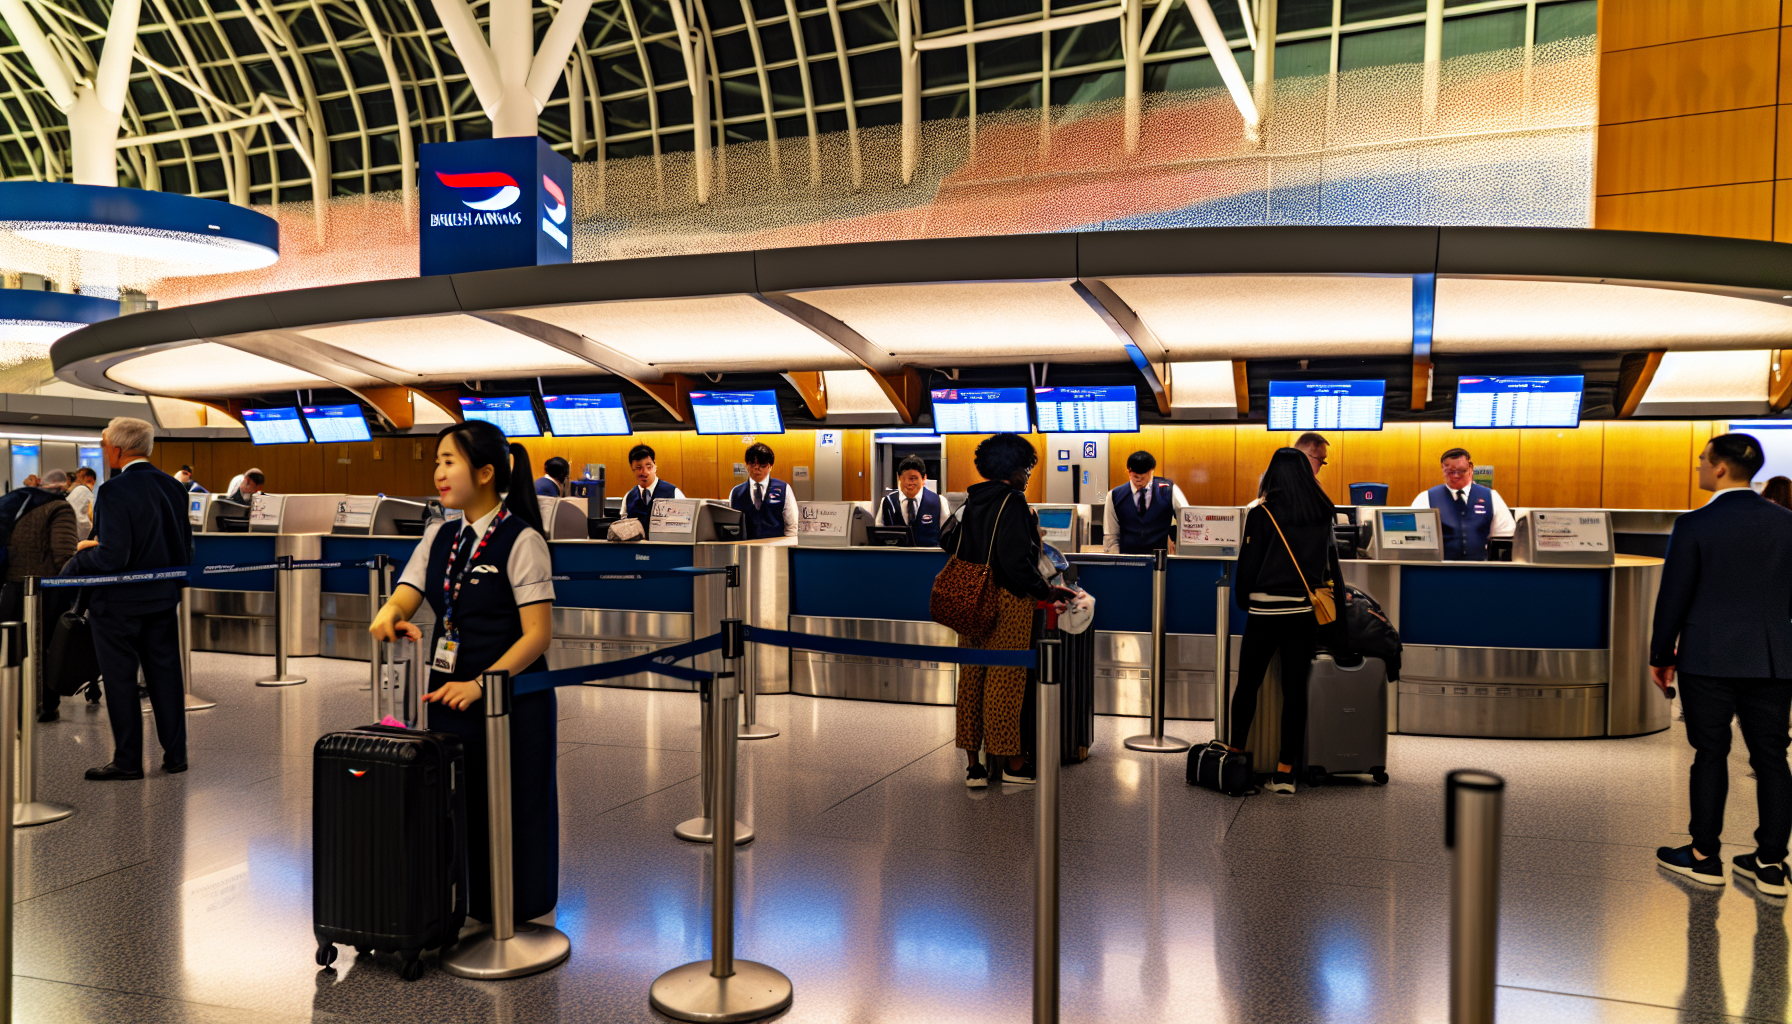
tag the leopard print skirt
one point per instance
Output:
(989, 699)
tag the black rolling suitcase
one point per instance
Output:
(1076, 685)
(1347, 719)
(388, 842)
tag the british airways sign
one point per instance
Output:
(492, 203)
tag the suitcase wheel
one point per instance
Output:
(1381, 778)
(363, 950)
(326, 954)
(1317, 776)
(412, 968)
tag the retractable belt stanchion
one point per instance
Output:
(27, 809)
(723, 988)
(503, 948)
(1473, 808)
(698, 829)
(193, 701)
(750, 729)
(1045, 879)
(12, 649)
(1157, 742)
(1222, 657)
(280, 677)
(376, 599)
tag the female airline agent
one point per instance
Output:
(488, 578)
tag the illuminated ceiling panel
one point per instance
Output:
(207, 369)
(710, 334)
(854, 396)
(1488, 315)
(1709, 384)
(455, 347)
(975, 323)
(1271, 316)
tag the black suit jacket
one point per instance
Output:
(140, 523)
(1725, 605)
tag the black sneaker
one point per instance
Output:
(1027, 776)
(1770, 879)
(976, 777)
(1679, 860)
(1282, 782)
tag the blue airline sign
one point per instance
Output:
(492, 203)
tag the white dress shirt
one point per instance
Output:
(902, 507)
(1110, 530)
(530, 568)
(81, 497)
(1503, 523)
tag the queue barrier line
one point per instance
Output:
(660, 662)
(884, 649)
(192, 572)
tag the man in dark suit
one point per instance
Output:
(143, 526)
(1723, 620)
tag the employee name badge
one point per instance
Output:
(447, 652)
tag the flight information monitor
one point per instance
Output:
(586, 415)
(737, 412)
(275, 426)
(1483, 402)
(981, 411)
(333, 423)
(1088, 410)
(1326, 404)
(513, 414)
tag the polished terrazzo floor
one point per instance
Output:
(885, 890)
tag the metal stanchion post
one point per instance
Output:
(280, 677)
(750, 728)
(1222, 658)
(193, 701)
(12, 648)
(698, 829)
(1045, 879)
(1473, 808)
(1157, 742)
(503, 948)
(27, 809)
(376, 599)
(723, 988)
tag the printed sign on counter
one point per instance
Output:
(196, 511)
(829, 520)
(1568, 531)
(1209, 526)
(671, 515)
(264, 509)
(355, 511)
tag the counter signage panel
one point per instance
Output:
(1088, 410)
(1326, 404)
(331, 424)
(355, 511)
(737, 412)
(586, 415)
(274, 426)
(824, 518)
(1485, 402)
(1209, 526)
(513, 414)
(981, 411)
(671, 515)
(1568, 531)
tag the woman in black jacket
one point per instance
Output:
(996, 512)
(1274, 588)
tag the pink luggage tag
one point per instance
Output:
(393, 723)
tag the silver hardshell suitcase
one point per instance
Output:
(1347, 720)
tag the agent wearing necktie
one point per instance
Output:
(1141, 513)
(765, 504)
(1470, 513)
(913, 505)
(649, 488)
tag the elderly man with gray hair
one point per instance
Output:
(142, 525)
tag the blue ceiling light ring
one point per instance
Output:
(19, 305)
(135, 208)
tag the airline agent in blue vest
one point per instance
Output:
(649, 488)
(489, 579)
(1141, 514)
(913, 505)
(767, 508)
(1470, 513)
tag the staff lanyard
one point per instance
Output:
(450, 585)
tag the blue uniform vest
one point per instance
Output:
(926, 527)
(1143, 535)
(768, 519)
(488, 623)
(1465, 536)
(632, 505)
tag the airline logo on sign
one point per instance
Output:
(492, 203)
(555, 212)
(498, 193)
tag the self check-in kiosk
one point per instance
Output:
(1064, 526)
(1406, 535)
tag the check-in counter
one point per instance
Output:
(364, 526)
(868, 593)
(1121, 586)
(234, 613)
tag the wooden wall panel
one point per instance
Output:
(1390, 455)
(1729, 211)
(961, 471)
(1642, 467)
(1200, 460)
(855, 465)
(1782, 204)
(1252, 447)
(1561, 468)
(1148, 439)
(1702, 432)
(1496, 448)
(1722, 73)
(1625, 24)
(1721, 148)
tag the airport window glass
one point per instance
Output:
(1371, 10)
(1295, 15)
(1556, 22)
(1481, 33)
(1299, 60)
(1404, 45)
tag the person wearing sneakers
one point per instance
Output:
(1721, 624)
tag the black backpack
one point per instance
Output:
(14, 507)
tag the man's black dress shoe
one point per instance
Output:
(174, 767)
(109, 772)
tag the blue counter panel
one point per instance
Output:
(670, 595)
(236, 549)
(840, 583)
(1451, 606)
(1122, 592)
(355, 549)
(1189, 597)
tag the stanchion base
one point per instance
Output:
(287, 680)
(38, 812)
(534, 948)
(690, 993)
(197, 703)
(697, 830)
(1157, 745)
(756, 731)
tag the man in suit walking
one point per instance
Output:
(137, 624)
(1723, 621)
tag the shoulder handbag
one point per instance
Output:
(69, 661)
(961, 592)
(1325, 603)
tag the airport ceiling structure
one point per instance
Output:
(265, 101)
